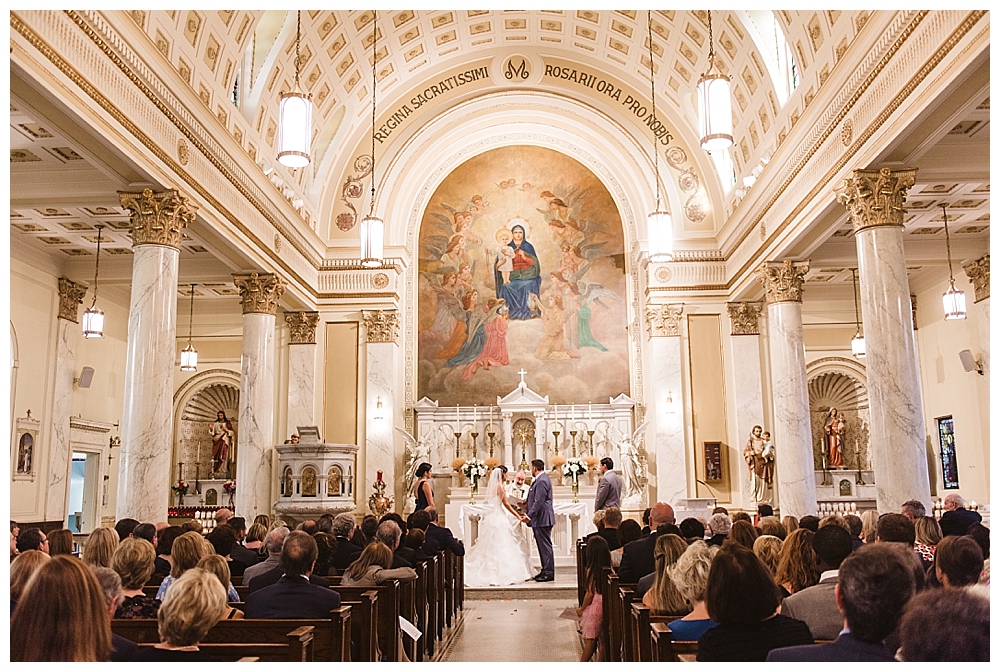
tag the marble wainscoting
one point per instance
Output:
(665, 436)
(255, 438)
(301, 386)
(147, 425)
(896, 409)
(792, 437)
(380, 454)
(749, 403)
(57, 486)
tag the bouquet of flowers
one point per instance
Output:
(230, 486)
(474, 469)
(574, 468)
(181, 488)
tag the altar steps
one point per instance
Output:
(564, 587)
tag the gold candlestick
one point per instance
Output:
(590, 433)
(458, 435)
(475, 435)
(572, 433)
(556, 441)
(491, 435)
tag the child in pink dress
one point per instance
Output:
(598, 556)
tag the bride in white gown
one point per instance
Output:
(501, 555)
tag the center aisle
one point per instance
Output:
(505, 629)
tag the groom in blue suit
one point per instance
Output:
(541, 517)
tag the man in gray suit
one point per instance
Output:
(541, 517)
(609, 489)
(817, 605)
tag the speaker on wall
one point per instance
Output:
(86, 377)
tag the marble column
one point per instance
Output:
(381, 366)
(795, 477)
(158, 221)
(259, 293)
(665, 410)
(301, 369)
(979, 274)
(874, 199)
(67, 333)
(744, 358)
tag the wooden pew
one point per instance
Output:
(449, 587)
(298, 648)
(386, 615)
(623, 615)
(581, 571)
(364, 632)
(665, 650)
(432, 631)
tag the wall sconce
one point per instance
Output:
(378, 410)
(671, 406)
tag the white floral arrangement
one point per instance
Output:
(474, 469)
(574, 467)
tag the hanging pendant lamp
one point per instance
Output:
(189, 356)
(715, 112)
(953, 299)
(295, 117)
(659, 223)
(93, 317)
(858, 342)
(372, 229)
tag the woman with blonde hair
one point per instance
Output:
(869, 519)
(928, 536)
(791, 524)
(663, 598)
(21, 570)
(62, 615)
(60, 542)
(187, 550)
(196, 602)
(767, 548)
(100, 548)
(134, 563)
(690, 576)
(255, 538)
(217, 565)
(374, 567)
(796, 563)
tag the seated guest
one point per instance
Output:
(32, 539)
(980, 534)
(855, 526)
(60, 542)
(368, 526)
(598, 521)
(958, 562)
(869, 519)
(646, 530)
(767, 548)
(325, 544)
(122, 649)
(145, 531)
(895, 527)
(945, 626)
(772, 526)
(834, 519)
(374, 567)
(217, 566)
(239, 553)
(255, 541)
(185, 553)
(275, 540)
(100, 547)
(719, 525)
(441, 537)
(325, 523)
(134, 562)
(628, 532)
(692, 530)
(662, 597)
(810, 523)
(742, 515)
(743, 599)
(196, 602)
(125, 527)
(223, 540)
(791, 524)
(343, 530)
(271, 576)
(414, 542)
(294, 596)
(764, 510)
(690, 576)
(389, 533)
(164, 542)
(817, 605)
(612, 521)
(637, 556)
(263, 519)
(796, 563)
(956, 518)
(22, 569)
(874, 586)
(928, 534)
(742, 532)
(222, 517)
(61, 616)
(192, 526)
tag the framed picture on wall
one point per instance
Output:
(25, 447)
(949, 461)
(714, 468)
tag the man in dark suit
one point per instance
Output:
(817, 605)
(293, 596)
(440, 538)
(637, 556)
(956, 519)
(388, 533)
(541, 517)
(609, 488)
(875, 583)
(273, 543)
(612, 519)
(239, 552)
(343, 531)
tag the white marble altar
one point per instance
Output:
(253, 451)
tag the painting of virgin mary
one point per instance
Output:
(525, 279)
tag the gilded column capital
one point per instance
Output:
(664, 320)
(782, 280)
(876, 197)
(303, 326)
(381, 326)
(979, 274)
(259, 292)
(70, 296)
(158, 217)
(744, 318)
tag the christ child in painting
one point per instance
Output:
(505, 255)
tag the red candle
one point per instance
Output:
(379, 476)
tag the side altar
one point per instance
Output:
(316, 477)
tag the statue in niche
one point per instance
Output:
(25, 448)
(222, 441)
(833, 429)
(286, 482)
(309, 482)
(633, 472)
(333, 480)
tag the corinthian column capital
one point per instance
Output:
(979, 274)
(664, 320)
(381, 326)
(303, 326)
(744, 317)
(158, 218)
(876, 197)
(259, 292)
(782, 280)
(70, 296)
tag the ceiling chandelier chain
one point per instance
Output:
(295, 115)
(298, 38)
(97, 263)
(191, 314)
(953, 298)
(372, 229)
(947, 241)
(854, 282)
(652, 97)
(711, 42)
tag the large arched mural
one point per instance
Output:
(521, 259)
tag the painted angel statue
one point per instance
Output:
(417, 451)
(633, 471)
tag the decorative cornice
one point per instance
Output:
(664, 320)
(979, 273)
(70, 296)
(876, 197)
(744, 318)
(381, 326)
(158, 218)
(303, 327)
(782, 280)
(259, 292)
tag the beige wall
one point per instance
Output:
(340, 376)
(708, 403)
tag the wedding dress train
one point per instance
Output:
(502, 554)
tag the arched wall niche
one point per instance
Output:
(841, 383)
(196, 404)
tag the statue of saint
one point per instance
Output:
(222, 443)
(417, 452)
(633, 472)
(333, 480)
(833, 428)
(759, 463)
(308, 482)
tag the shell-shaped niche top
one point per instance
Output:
(205, 405)
(836, 390)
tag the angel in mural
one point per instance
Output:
(494, 352)
(526, 277)
(449, 307)
(470, 302)
(552, 345)
(476, 332)
(633, 472)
